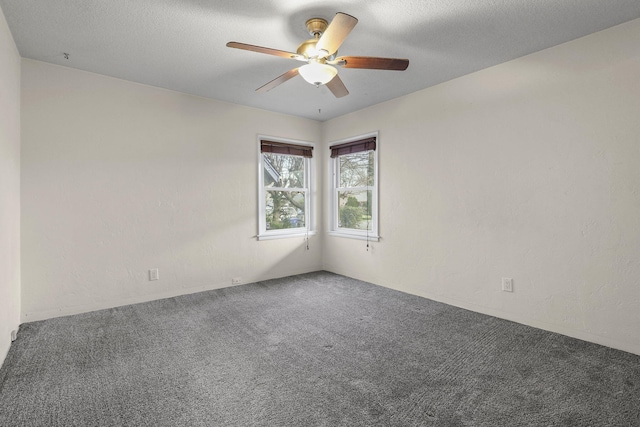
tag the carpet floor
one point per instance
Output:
(317, 349)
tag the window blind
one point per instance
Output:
(353, 147)
(285, 148)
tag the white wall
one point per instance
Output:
(9, 187)
(529, 170)
(118, 178)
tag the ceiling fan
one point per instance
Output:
(320, 52)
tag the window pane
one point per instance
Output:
(285, 209)
(281, 170)
(356, 170)
(354, 208)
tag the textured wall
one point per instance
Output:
(529, 170)
(9, 187)
(119, 178)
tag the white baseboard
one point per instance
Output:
(5, 343)
(535, 323)
(34, 316)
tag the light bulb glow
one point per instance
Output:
(317, 73)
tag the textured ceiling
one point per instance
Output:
(180, 44)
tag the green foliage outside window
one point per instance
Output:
(350, 216)
(356, 179)
(285, 204)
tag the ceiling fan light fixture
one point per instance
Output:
(317, 73)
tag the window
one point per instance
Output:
(354, 187)
(284, 183)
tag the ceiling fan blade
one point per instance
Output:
(371, 62)
(267, 50)
(278, 81)
(337, 87)
(336, 33)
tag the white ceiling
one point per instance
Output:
(180, 44)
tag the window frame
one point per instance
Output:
(334, 189)
(309, 192)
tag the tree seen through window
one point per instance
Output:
(355, 185)
(285, 188)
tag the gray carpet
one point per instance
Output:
(312, 350)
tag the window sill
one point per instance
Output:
(285, 235)
(357, 236)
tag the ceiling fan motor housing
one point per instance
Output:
(315, 26)
(308, 48)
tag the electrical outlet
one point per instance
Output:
(507, 284)
(236, 281)
(14, 335)
(153, 274)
